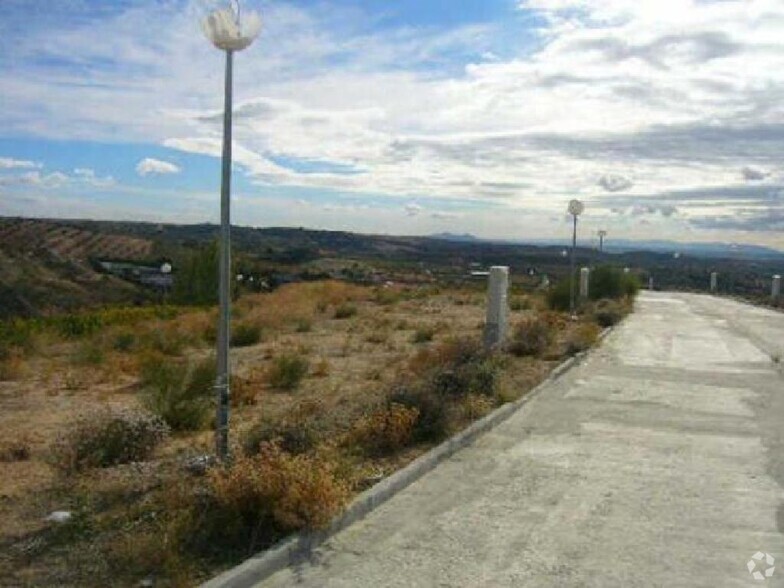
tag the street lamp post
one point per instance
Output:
(575, 209)
(166, 270)
(230, 30)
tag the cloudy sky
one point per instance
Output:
(409, 117)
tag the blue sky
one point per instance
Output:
(482, 116)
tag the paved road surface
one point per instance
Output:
(658, 462)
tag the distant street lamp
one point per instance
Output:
(602, 235)
(575, 209)
(230, 30)
(166, 269)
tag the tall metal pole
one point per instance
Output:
(223, 369)
(571, 266)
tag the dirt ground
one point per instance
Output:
(352, 363)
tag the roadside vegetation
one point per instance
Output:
(109, 415)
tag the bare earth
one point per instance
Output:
(655, 463)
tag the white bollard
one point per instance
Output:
(585, 274)
(497, 306)
(650, 284)
(775, 291)
(714, 282)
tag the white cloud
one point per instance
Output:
(9, 163)
(57, 179)
(675, 94)
(148, 166)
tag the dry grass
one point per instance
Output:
(352, 429)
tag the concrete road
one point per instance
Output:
(657, 462)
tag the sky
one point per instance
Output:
(666, 117)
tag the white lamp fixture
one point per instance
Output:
(230, 29)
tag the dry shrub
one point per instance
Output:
(439, 381)
(245, 334)
(181, 394)
(297, 432)
(607, 312)
(423, 334)
(385, 431)
(297, 303)
(12, 365)
(581, 338)
(167, 338)
(108, 437)
(475, 406)
(15, 450)
(244, 391)
(531, 336)
(279, 490)
(321, 369)
(345, 310)
(287, 371)
(518, 303)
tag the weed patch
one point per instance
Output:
(108, 437)
(287, 371)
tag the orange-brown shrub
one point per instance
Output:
(385, 431)
(244, 391)
(475, 406)
(295, 303)
(582, 338)
(289, 492)
(532, 335)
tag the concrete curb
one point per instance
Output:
(297, 548)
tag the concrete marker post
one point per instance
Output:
(497, 307)
(775, 291)
(714, 282)
(585, 276)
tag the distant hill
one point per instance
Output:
(465, 237)
(47, 264)
(714, 249)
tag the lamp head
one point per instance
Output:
(229, 28)
(576, 207)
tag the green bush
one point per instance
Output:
(287, 371)
(443, 377)
(531, 336)
(304, 326)
(606, 282)
(298, 432)
(631, 285)
(124, 341)
(558, 297)
(73, 326)
(423, 335)
(245, 335)
(345, 310)
(168, 342)
(518, 303)
(180, 394)
(108, 437)
(432, 424)
(90, 353)
(196, 281)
